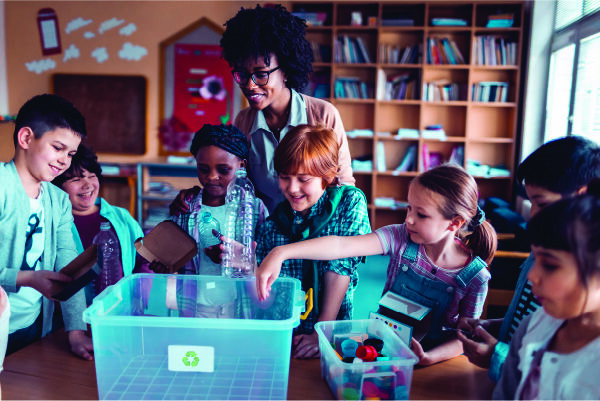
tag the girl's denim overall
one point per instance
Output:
(434, 294)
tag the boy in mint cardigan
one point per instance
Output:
(35, 223)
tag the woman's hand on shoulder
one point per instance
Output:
(179, 204)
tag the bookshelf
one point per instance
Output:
(455, 99)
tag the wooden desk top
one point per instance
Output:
(48, 370)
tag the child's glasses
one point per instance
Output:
(260, 78)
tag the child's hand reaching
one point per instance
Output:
(424, 359)
(267, 273)
(306, 346)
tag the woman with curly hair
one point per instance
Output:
(271, 61)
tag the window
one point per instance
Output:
(573, 99)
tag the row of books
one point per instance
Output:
(431, 159)
(442, 90)
(428, 159)
(321, 52)
(490, 92)
(402, 86)
(390, 54)
(493, 50)
(443, 51)
(349, 49)
(352, 88)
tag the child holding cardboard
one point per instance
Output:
(432, 261)
(35, 223)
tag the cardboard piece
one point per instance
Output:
(406, 311)
(169, 244)
(83, 269)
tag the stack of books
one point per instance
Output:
(448, 22)
(312, 19)
(397, 19)
(434, 132)
(500, 21)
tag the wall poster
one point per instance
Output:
(203, 89)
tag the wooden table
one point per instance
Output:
(48, 370)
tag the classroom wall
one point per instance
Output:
(154, 21)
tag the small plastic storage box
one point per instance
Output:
(379, 379)
(159, 336)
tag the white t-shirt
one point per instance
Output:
(26, 304)
(4, 324)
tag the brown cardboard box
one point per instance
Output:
(82, 270)
(169, 244)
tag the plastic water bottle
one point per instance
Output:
(206, 226)
(109, 258)
(238, 259)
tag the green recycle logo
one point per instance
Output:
(191, 359)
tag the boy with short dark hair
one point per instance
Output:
(35, 223)
(558, 169)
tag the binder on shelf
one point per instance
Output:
(381, 157)
(458, 155)
(424, 161)
(408, 161)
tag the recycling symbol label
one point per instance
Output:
(191, 359)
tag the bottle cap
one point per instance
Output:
(349, 347)
(366, 352)
(375, 343)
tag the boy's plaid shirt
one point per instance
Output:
(350, 218)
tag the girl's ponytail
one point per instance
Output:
(482, 241)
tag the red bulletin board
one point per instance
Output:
(203, 86)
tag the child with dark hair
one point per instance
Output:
(558, 169)
(35, 223)
(554, 352)
(434, 262)
(219, 151)
(271, 61)
(306, 161)
(82, 182)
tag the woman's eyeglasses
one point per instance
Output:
(260, 78)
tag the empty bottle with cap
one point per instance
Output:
(109, 258)
(239, 259)
(207, 224)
